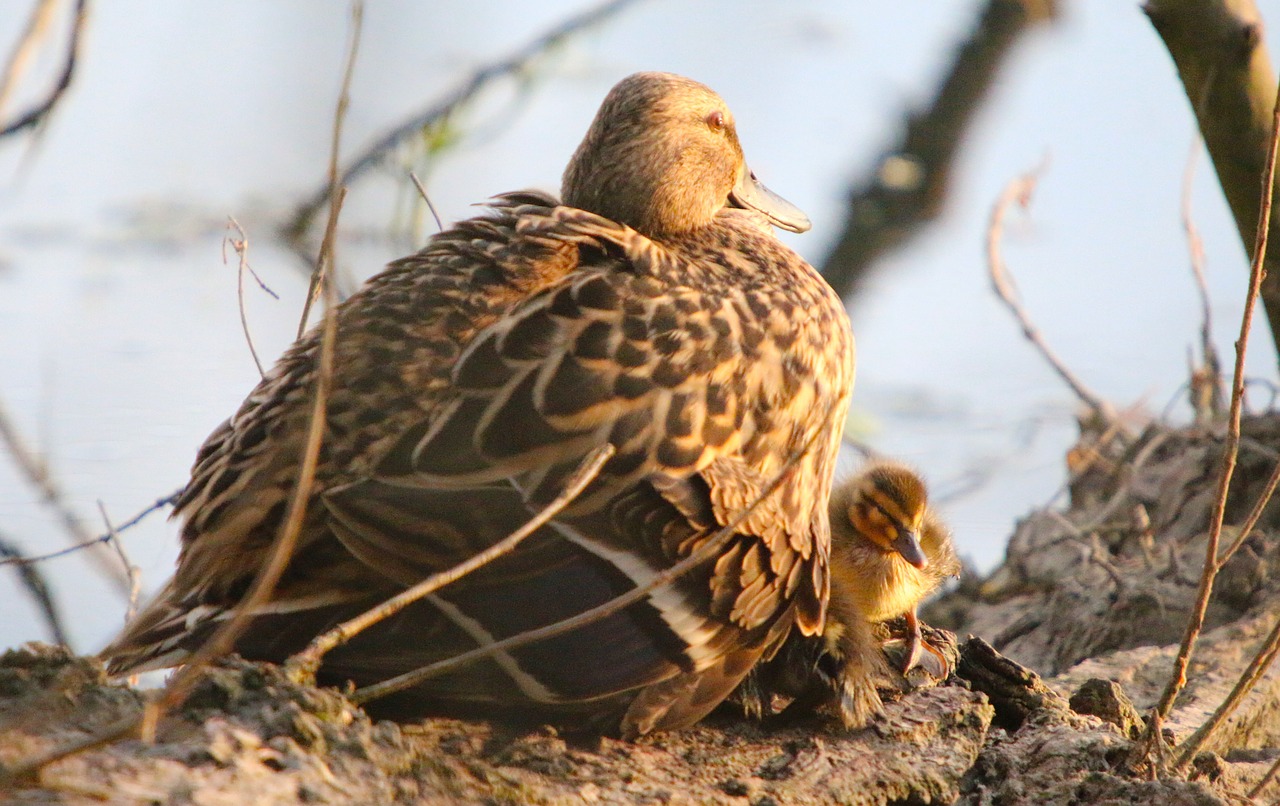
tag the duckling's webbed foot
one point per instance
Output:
(927, 668)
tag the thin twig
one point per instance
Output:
(1248, 679)
(306, 663)
(281, 552)
(1019, 191)
(1206, 380)
(35, 583)
(241, 247)
(441, 110)
(135, 575)
(1178, 678)
(100, 539)
(37, 472)
(40, 111)
(1266, 779)
(422, 190)
(696, 557)
(1255, 515)
(324, 261)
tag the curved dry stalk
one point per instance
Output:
(1178, 678)
(1019, 191)
(241, 247)
(422, 191)
(132, 571)
(332, 194)
(37, 27)
(305, 664)
(281, 552)
(699, 555)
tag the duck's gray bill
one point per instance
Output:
(908, 545)
(750, 194)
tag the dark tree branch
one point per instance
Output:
(40, 111)
(908, 184)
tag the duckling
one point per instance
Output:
(889, 551)
(889, 548)
(652, 310)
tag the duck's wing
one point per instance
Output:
(397, 341)
(663, 373)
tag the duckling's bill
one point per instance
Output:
(751, 194)
(907, 543)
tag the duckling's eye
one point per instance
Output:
(715, 121)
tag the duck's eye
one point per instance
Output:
(715, 121)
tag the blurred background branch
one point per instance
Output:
(908, 184)
(437, 115)
(32, 38)
(33, 580)
(1218, 48)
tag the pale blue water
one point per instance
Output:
(120, 343)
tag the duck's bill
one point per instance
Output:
(908, 545)
(750, 194)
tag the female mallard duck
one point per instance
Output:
(653, 311)
(889, 550)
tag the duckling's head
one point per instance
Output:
(887, 505)
(662, 156)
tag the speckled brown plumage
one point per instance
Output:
(472, 377)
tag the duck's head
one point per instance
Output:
(663, 157)
(887, 506)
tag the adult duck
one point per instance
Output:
(652, 311)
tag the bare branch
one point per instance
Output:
(162, 502)
(37, 28)
(40, 111)
(1255, 515)
(1257, 667)
(1178, 678)
(1266, 779)
(1019, 191)
(281, 552)
(441, 110)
